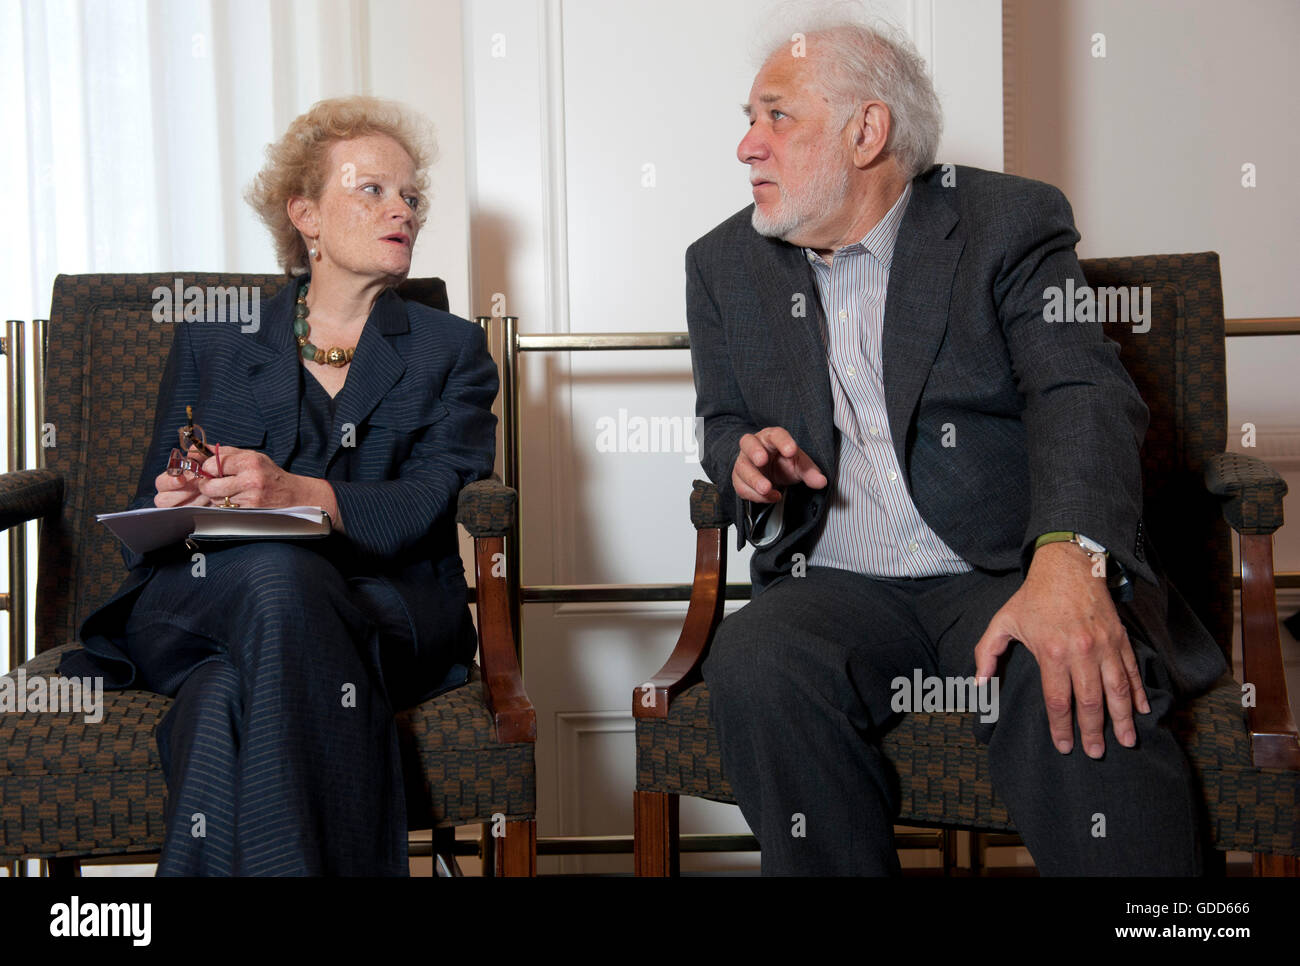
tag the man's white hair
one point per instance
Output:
(861, 59)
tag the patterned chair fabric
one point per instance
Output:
(104, 364)
(28, 494)
(943, 770)
(72, 788)
(1178, 366)
(1252, 492)
(486, 509)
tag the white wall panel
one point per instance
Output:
(568, 101)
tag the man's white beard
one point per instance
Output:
(824, 194)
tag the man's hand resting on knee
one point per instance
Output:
(1065, 616)
(768, 461)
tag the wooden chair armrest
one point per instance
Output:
(703, 614)
(503, 686)
(1275, 742)
(1252, 493)
(29, 494)
(487, 510)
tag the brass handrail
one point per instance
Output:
(612, 341)
(603, 341)
(660, 593)
(13, 347)
(1248, 327)
(615, 341)
(516, 342)
(40, 346)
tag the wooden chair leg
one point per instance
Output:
(1268, 864)
(517, 849)
(1214, 861)
(656, 834)
(949, 851)
(64, 868)
(489, 852)
(444, 845)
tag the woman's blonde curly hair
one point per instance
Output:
(296, 164)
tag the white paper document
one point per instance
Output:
(154, 527)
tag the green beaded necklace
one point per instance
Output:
(334, 356)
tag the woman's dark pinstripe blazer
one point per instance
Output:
(416, 407)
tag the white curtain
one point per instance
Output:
(135, 125)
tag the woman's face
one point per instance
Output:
(365, 223)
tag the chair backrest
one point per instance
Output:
(1178, 367)
(104, 363)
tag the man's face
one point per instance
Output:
(799, 162)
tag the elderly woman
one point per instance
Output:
(287, 659)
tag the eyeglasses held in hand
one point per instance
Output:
(192, 439)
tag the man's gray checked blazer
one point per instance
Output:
(1047, 423)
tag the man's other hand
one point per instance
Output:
(769, 460)
(1065, 616)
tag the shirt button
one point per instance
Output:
(844, 313)
(914, 546)
(875, 430)
(851, 371)
(892, 476)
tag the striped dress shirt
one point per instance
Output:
(872, 526)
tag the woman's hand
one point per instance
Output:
(251, 479)
(248, 478)
(178, 490)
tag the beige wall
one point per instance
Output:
(570, 103)
(1148, 143)
(415, 55)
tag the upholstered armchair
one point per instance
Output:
(1246, 759)
(71, 789)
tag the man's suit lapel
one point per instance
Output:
(782, 273)
(916, 305)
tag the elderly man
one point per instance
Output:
(938, 482)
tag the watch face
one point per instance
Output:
(1092, 546)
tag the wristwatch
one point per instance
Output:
(1090, 547)
(1117, 581)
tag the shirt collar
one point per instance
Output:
(880, 240)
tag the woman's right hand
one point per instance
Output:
(178, 490)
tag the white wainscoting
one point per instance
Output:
(567, 102)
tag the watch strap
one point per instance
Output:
(1054, 536)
